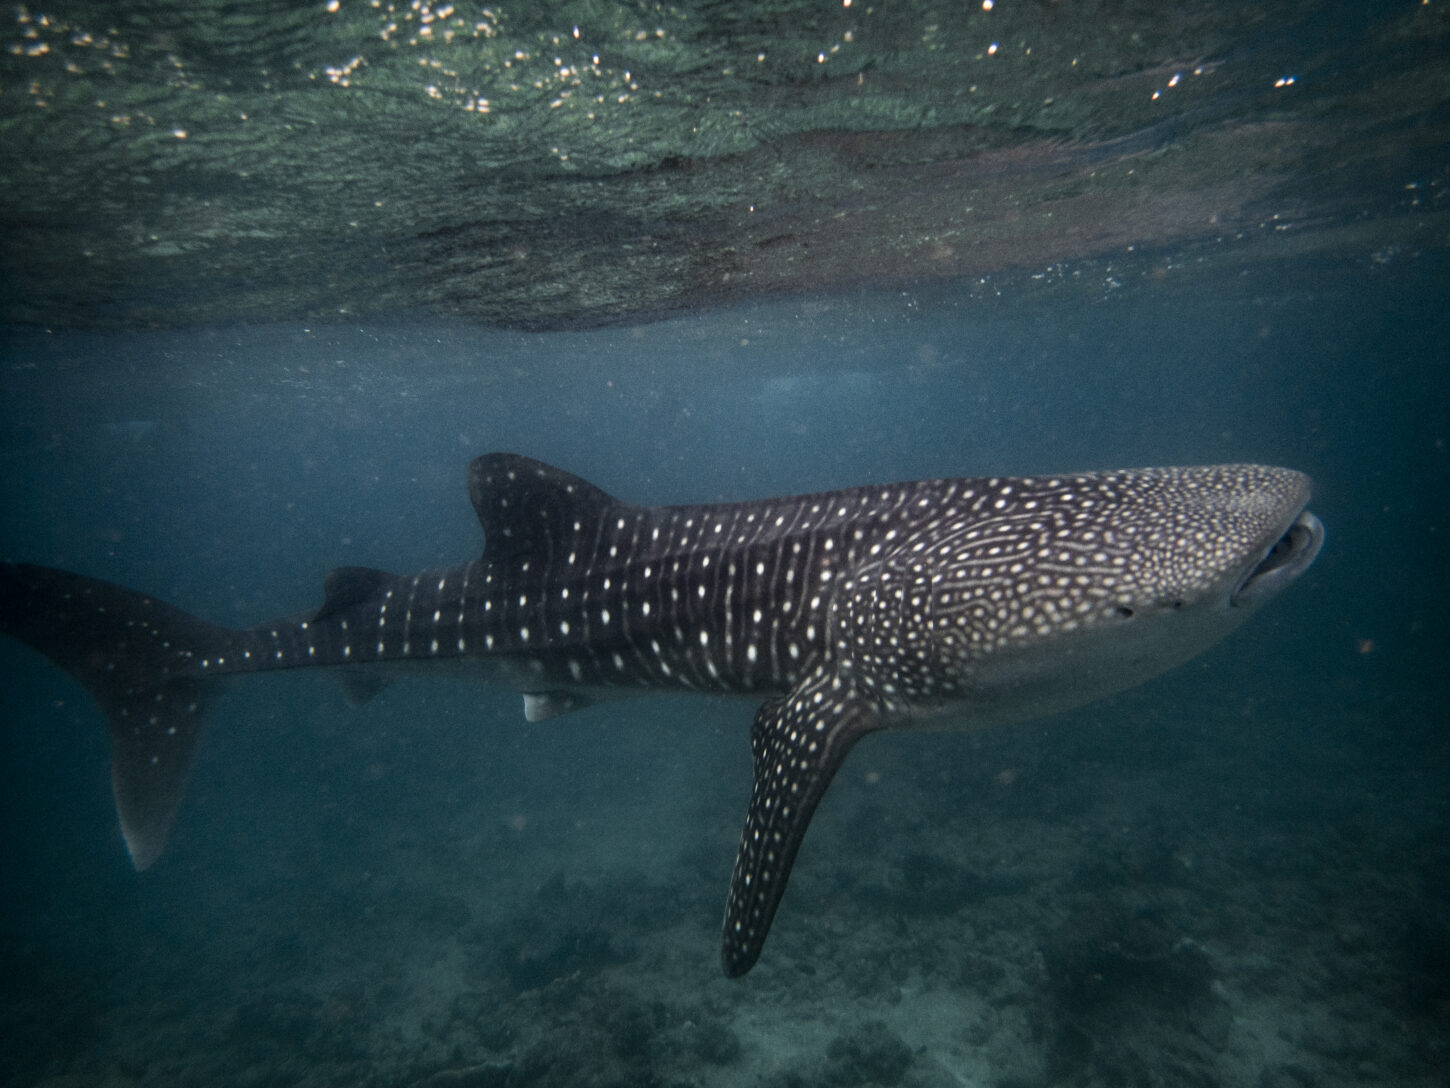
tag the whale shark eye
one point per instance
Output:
(1124, 611)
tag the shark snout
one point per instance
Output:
(1289, 557)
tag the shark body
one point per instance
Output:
(966, 600)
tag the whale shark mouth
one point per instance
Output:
(1286, 560)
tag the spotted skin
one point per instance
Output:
(850, 611)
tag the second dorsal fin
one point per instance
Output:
(348, 586)
(529, 508)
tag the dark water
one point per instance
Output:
(1234, 875)
(255, 264)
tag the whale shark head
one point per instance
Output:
(1073, 587)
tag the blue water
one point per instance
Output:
(429, 887)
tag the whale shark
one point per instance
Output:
(948, 602)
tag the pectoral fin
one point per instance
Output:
(798, 743)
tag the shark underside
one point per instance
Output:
(967, 601)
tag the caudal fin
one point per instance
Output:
(138, 659)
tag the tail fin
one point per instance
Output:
(137, 658)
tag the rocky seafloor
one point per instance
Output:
(1179, 887)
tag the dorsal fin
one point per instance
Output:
(348, 586)
(526, 506)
